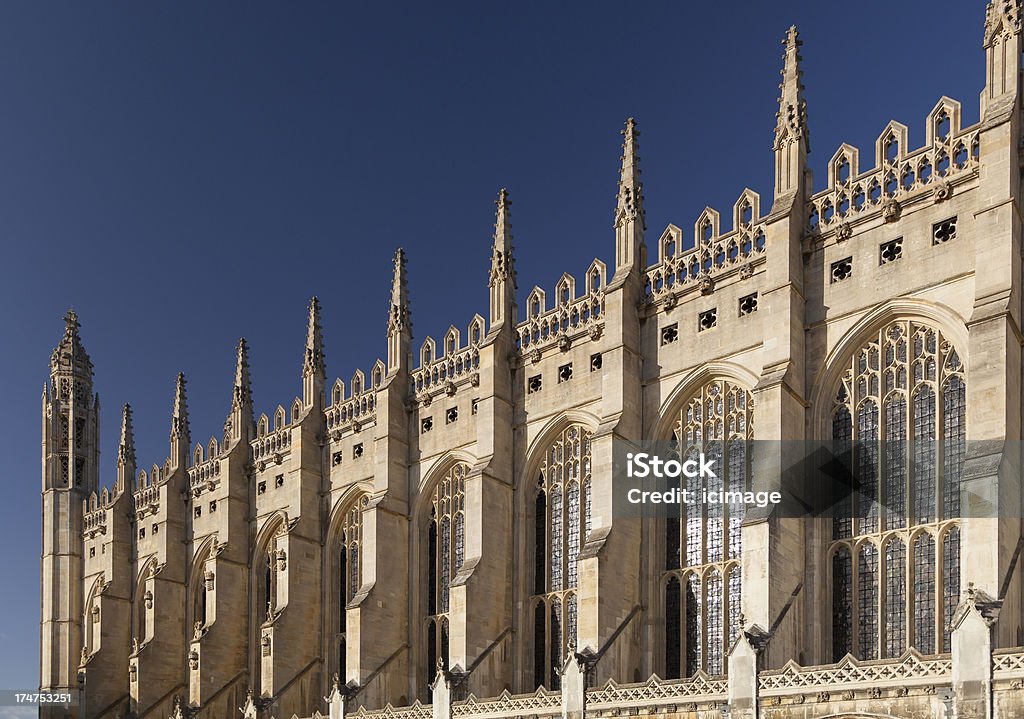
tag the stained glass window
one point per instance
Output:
(924, 593)
(446, 552)
(561, 523)
(908, 458)
(704, 545)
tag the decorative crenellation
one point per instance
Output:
(713, 253)
(539, 703)
(698, 687)
(571, 316)
(360, 404)
(273, 445)
(950, 156)
(910, 669)
(203, 475)
(456, 360)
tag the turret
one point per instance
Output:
(399, 319)
(180, 435)
(503, 272)
(70, 457)
(792, 139)
(630, 219)
(314, 371)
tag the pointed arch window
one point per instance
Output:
(446, 551)
(348, 575)
(561, 522)
(703, 581)
(895, 560)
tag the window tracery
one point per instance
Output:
(349, 573)
(561, 524)
(901, 406)
(446, 548)
(703, 580)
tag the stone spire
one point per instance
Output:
(792, 137)
(630, 219)
(314, 368)
(180, 435)
(399, 316)
(179, 417)
(503, 271)
(792, 116)
(239, 421)
(314, 357)
(126, 450)
(243, 384)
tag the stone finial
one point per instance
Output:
(313, 362)
(179, 417)
(630, 198)
(792, 116)
(1002, 20)
(502, 265)
(399, 319)
(242, 394)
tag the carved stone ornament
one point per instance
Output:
(776, 701)
(746, 271)
(844, 232)
(535, 355)
(193, 659)
(356, 425)
(670, 302)
(449, 388)
(474, 379)
(875, 693)
(824, 696)
(564, 343)
(706, 284)
(849, 695)
(595, 331)
(943, 191)
(424, 398)
(891, 210)
(197, 632)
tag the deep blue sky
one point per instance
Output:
(186, 173)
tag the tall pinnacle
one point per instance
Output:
(1002, 19)
(630, 199)
(314, 361)
(399, 319)
(126, 447)
(179, 418)
(792, 116)
(502, 263)
(243, 385)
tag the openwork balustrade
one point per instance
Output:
(95, 521)
(911, 669)
(1008, 664)
(277, 442)
(949, 155)
(699, 687)
(451, 367)
(712, 252)
(547, 327)
(415, 711)
(146, 496)
(361, 408)
(200, 474)
(540, 703)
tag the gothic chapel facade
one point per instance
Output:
(435, 538)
